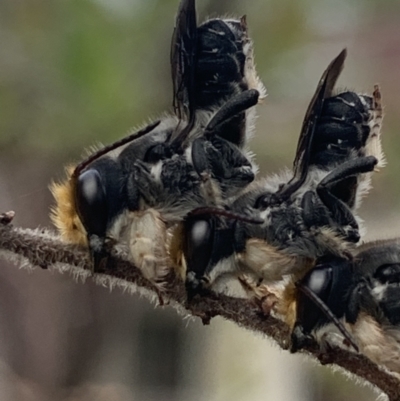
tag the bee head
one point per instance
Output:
(211, 236)
(87, 205)
(92, 208)
(90, 200)
(322, 298)
(198, 247)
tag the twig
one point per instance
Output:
(43, 248)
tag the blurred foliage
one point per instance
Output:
(74, 72)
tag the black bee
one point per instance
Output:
(212, 63)
(134, 189)
(305, 214)
(354, 302)
(117, 194)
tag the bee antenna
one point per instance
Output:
(328, 313)
(101, 152)
(222, 212)
(231, 108)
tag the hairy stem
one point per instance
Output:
(43, 248)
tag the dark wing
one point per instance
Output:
(183, 59)
(324, 90)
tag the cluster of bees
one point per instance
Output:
(183, 192)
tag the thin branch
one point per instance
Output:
(41, 247)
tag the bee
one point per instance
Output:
(353, 304)
(212, 63)
(305, 214)
(117, 194)
(133, 190)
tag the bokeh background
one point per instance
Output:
(74, 72)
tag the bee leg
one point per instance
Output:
(340, 211)
(199, 156)
(143, 182)
(329, 341)
(7, 217)
(231, 110)
(326, 344)
(314, 215)
(299, 339)
(202, 167)
(259, 294)
(98, 253)
(233, 107)
(342, 216)
(196, 290)
(373, 145)
(220, 159)
(148, 236)
(327, 234)
(194, 286)
(231, 165)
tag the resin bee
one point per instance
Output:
(117, 194)
(305, 215)
(353, 302)
(134, 189)
(212, 63)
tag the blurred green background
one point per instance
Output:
(73, 73)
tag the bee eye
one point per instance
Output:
(198, 246)
(388, 273)
(91, 203)
(319, 281)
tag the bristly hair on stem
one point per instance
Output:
(43, 248)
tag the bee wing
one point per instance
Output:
(183, 59)
(324, 90)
